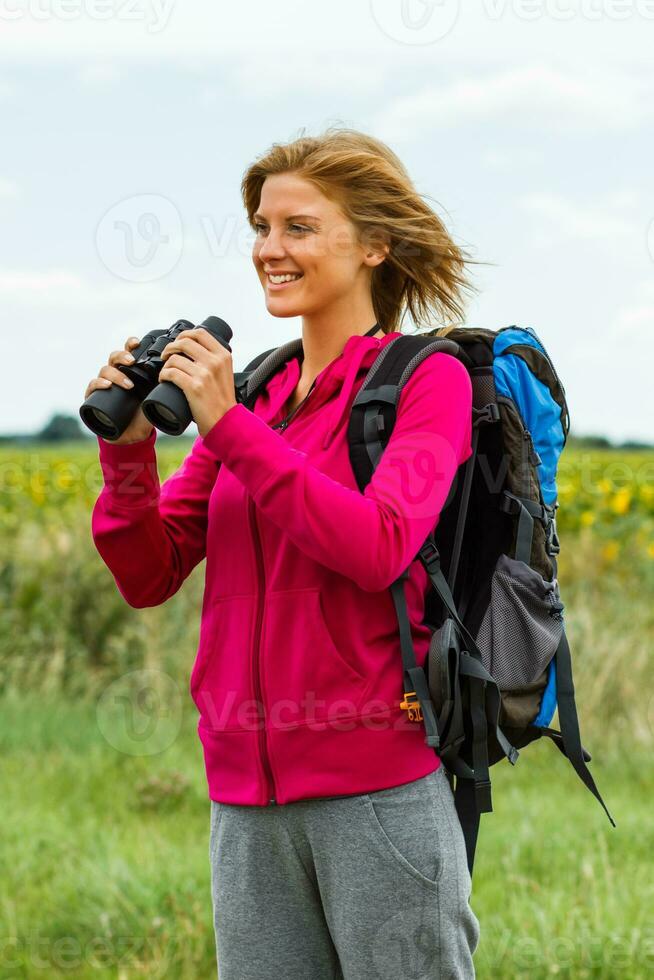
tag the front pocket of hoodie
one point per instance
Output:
(305, 676)
(220, 682)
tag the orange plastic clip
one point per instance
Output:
(413, 707)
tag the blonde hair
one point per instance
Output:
(424, 272)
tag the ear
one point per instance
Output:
(375, 252)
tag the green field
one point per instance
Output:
(105, 816)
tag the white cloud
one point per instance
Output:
(66, 291)
(612, 222)
(101, 73)
(9, 189)
(539, 95)
(30, 282)
(508, 159)
(262, 79)
(634, 323)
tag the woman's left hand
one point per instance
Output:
(206, 375)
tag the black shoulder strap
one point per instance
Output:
(254, 376)
(374, 409)
(372, 420)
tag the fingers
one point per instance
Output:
(110, 374)
(198, 344)
(184, 344)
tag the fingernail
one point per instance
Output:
(129, 358)
(128, 383)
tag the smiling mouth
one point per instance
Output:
(284, 282)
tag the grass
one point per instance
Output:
(104, 865)
(105, 868)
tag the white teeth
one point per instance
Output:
(285, 278)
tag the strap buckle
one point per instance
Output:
(552, 544)
(430, 555)
(489, 413)
(412, 706)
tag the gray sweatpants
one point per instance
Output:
(367, 887)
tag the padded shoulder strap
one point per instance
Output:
(374, 409)
(250, 381)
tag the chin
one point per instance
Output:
(289, 311)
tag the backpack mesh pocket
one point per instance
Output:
(522, 625)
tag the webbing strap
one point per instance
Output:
(463, 509)
(565, 696)
(469, 816)
(416, 676)
(430, 558)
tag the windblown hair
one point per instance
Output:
(424, 272)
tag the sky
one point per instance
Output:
(127, 126)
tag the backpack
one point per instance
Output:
(499, 662)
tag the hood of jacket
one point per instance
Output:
(333, 389)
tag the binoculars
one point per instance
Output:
(107, 412)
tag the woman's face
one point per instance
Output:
(300, 231)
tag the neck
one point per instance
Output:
(325, 333)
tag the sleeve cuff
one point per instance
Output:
(112, 453)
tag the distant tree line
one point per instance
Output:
(69, 428)
(66, 428)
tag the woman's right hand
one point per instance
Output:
(139, 428)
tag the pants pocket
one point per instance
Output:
(522, 625)
(409, 825)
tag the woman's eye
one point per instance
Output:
(258, 226)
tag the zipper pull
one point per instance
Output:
(534, 456)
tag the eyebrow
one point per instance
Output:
(292, 217)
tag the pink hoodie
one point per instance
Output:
(298, 676)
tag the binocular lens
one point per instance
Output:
(104, 425)
(165, 413)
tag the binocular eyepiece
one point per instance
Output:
(107, 412)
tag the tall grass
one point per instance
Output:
(104, 850)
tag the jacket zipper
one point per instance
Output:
(270, 780)
(289, 418)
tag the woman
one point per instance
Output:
(335, 845)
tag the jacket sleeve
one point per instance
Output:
(371, 537)
(151, 537)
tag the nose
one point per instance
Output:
(271, 247)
